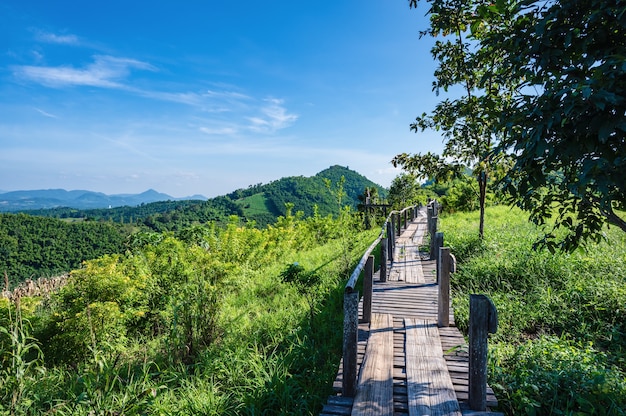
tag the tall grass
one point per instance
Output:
(561, 342)
(203, 323)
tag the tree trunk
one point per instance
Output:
(482, 189)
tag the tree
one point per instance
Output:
(567, 123)
(468, 122)
(404, 191)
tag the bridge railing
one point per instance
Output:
(394, 223)
(483, 314)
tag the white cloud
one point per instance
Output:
(104, 72)
(59, 39)
(218, 131)
(45, 113)
(227, 94)
(274, 117)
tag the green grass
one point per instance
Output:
(274, 347)
(254, 205)
(561, 342)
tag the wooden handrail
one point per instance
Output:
(351, 302)
(354, 277)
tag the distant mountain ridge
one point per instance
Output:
(79, 199)
(261, 204)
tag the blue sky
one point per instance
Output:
(204, 97)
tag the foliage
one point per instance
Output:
(557, 376)
(567, 122)
(196, 322)
(405, 190)
(306, 282)
(560, 345)
(21, 360)
(32, 247)
(259, 204)
(468, 122)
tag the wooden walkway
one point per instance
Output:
(402, 338)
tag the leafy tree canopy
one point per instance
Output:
(545, 84)
(567, 123)
(468, 121)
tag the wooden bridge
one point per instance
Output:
(404, 356)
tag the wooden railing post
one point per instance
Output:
(368, 286)
(429, 216)
(405, 219)
(445, 265)
(392, 240)
(483, 321)
(350, 342)
(438, 245)
(433, 236)
(399, 224)
(384, 252)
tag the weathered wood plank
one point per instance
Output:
(430, 389)
(417, 300)
(375, 389)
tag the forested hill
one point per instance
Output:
(264, 203)
(261, 203)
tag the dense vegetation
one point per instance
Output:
(260, 203)
(209, 320)
(32, 247)
(561, 343)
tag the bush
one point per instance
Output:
(557, 376)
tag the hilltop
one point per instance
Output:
(260, 203)
(18, 201)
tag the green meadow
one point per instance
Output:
(560, 348)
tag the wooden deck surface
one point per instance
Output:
(406, 307)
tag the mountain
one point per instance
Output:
(78, 199)
(260, 203)
(264, 203)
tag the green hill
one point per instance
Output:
(261, 203)
(264, 203)
(34, 246)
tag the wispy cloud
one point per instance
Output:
(274, 116)
(104, 71)
(44, 113)
(227, 95)
(247, 115)
(220, 131)
(66, 39)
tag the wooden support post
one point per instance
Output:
(429, 218)
(399, 224)
(445, 265)
(368, 286)
(429, 214)
(384, 255)
(438, 245)
(433, 236)
(405, 219)
(483, 321)
(350, 341)
(392, 240)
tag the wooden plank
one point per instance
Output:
(430, 389)
(417, 300)
(375, 390)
